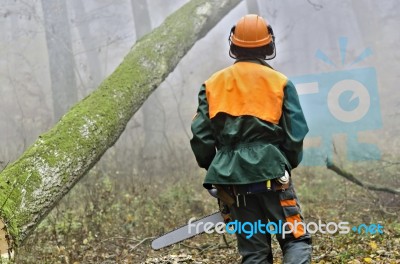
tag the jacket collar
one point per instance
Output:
(254, 60)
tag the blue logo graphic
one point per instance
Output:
(340, 102)
(371, 229)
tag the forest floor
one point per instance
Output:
(113, 218)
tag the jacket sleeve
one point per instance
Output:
(203, 141)
(294, 126)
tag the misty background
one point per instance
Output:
(53, 53)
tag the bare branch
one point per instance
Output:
(141, 242)
(349, 176)
(316, 6)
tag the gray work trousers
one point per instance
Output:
(271, 206)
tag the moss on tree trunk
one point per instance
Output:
(46, 171)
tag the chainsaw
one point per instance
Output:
(201, 225)
(217, 219)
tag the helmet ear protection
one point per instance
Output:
(230, 35)
(271, 44)
(271, 32)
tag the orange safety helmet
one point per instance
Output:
(251, 31)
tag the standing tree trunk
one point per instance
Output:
(61, 61)
(152, 114)
(95, 72)
(141, 17)
(252, 7)
(32, 185)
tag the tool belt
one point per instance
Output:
(229, 194)
(265, 186)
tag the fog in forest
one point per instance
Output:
(55, 53)
(342, 56)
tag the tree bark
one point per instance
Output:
(46, 171)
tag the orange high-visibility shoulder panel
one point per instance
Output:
(246, 88)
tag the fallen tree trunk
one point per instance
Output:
(349, 176)
(46, 171)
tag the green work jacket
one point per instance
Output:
(238, 143)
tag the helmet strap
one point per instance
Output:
(233, 56)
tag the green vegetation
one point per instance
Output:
(33, 184)
(111, 217)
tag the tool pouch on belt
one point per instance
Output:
(224, 201)
(225, 212)
(224, 196)
(277, 186)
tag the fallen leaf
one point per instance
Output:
(373, 245)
